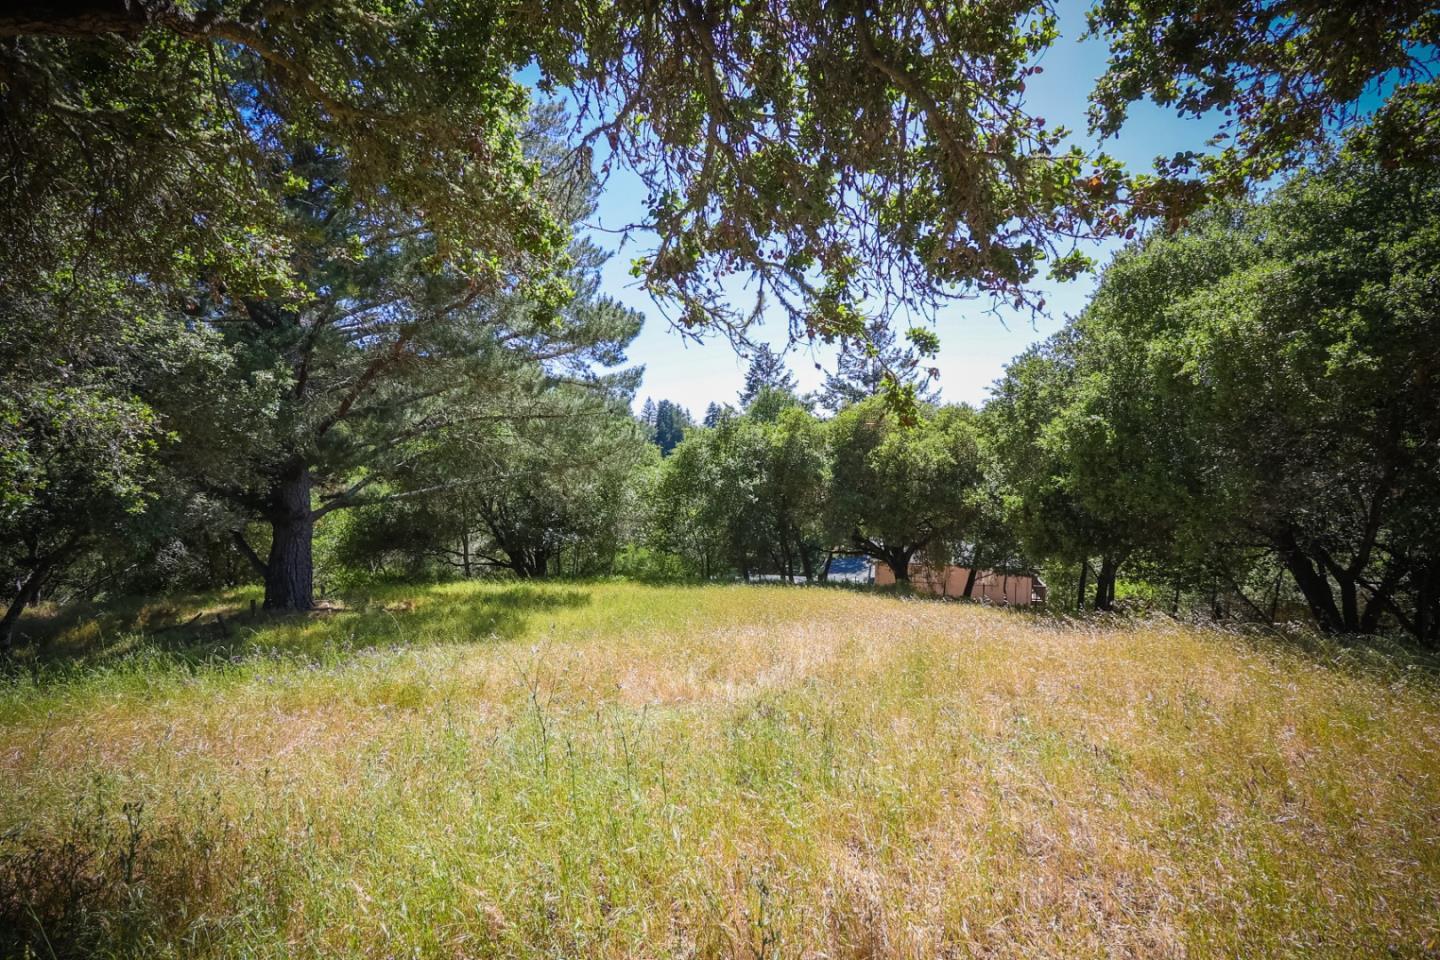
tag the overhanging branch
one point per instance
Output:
(248, 552)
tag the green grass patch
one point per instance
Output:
(611, 769)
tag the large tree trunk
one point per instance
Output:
(970, 577)
(28, 593)
(1349, 602)
(898, 561)
(1080, 593)
(290, 568)
(529, 564)
(1312, 583)
(1105, 585)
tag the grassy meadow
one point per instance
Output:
(618, 770)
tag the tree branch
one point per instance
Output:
(80, 19)
(248, 552)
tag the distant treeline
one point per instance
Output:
(1244, 423)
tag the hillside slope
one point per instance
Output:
(620, 770)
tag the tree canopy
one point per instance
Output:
(899, 488)
(1257, 386)
(146, 134)
(267, 262)
(1285, 79)
(849, 159)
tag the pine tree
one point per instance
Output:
(671, 422)
(767, 369)
(861, 367)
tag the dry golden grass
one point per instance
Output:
(618, 770)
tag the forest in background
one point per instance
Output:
(1242, 424)
(297, 294)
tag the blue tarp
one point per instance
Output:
(852, 566)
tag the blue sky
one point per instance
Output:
(976, 340)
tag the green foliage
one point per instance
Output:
(828, 153)
(864, 363)
(388, 350)
(148, 133)
(552, 486)
(747, 494)
(326, 388)
(837, 156)
(666, 424)
(895, 489)
(87, 371)
(269, 262)
(1284, 79)
(767, 372)
(1257, 382)
(681, 506)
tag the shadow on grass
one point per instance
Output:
(103, 881)
(228, 628)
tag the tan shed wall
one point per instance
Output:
(1014, 589)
